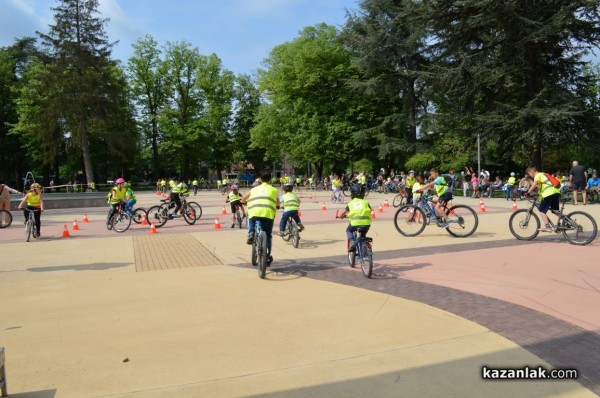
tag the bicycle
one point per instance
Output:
(259, 250)
(578, 227)
(336, 196)
(30, 228)
(292, 232)
(138, 215)
(240, 218)
(401, 198)
(159, 214)
(364, 251)
(517, 193)
(6, 219)
(411, 220)
(120, 220)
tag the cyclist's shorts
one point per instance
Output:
(445, 198)
(550, 202)
(234, 204)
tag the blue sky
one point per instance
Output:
(240, 32)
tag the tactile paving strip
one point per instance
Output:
(162, 252)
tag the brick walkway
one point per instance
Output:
(559, 343)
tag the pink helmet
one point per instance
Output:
(234, 187)
(119, 181)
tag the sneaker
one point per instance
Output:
(280, 233)
(250, 239)
(546, 228)
(301, 227)
(233, 225)
(445, 224)
(269, 260)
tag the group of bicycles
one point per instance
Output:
(121, 220)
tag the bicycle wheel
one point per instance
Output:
(197, 209)
(524, 225)
(580, 228)
(5, 219)
(121, 222)
(287, 234)
(295, 235)
(410, 220)
(463, 221)
(399, 200)
(346, 191)
(262, 254)
(28, 229)
(239, 218)
(158, 215)
(254, 255)
(593, 197)
(189, 214)
(351, 257)
(139, 215)
(366, 259)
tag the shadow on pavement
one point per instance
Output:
(82, 267)
(35, 394)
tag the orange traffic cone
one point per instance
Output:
(480, 202)
(482, 208)
(65, 232)
(386, 203)
(323, 207)
(373, 214)
(75, 226)
(223, 211)
(380, 209)
(153, 229)
(85, 218)
(514, 205)
(144, 221)
(217, 223)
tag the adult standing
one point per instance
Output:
(5, 192)
(578, 178)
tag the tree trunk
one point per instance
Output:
(85, 149)
(155, 159)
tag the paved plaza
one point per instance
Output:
(182, 313)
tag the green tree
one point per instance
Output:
(146, 77)
(513, 71)
(309, 113)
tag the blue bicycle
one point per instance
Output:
(259, 250)
(364, 251)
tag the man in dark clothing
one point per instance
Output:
(578, 178)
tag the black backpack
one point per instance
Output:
(449, 180)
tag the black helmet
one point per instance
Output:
(357, 191)
(288, 188)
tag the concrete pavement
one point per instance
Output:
(82, 317)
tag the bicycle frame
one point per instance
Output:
(558, 226)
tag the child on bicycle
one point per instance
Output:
(291, 204)
(359, 213)
(550, 196)
(443, 193)
(235, 199)
(115, 197)
(130, 199)
(34, 201)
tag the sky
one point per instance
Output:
(240, 32)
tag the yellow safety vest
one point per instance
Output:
(34, 200)
(262, 201)
(290, 201)
(234, 196)
(119, 195)
(360, 212)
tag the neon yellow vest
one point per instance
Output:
(360, 213)
(262, 201)
(290, 201)
(34, 200)
(233, 196)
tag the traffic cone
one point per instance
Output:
(482, 208)
(144, 221)
(153, 229)
(65, 232)
(223, 211)
(380, 209)
(373, 214)
(480, 202)
(323, 207)
(85, 218)
(514, 205)
(75, 226)
(217, 223)
(386, 203)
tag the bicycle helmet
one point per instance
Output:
(512, 174)
(119, 181)
(288, 188)
(357, 191)
(234, 187)
(36, 185)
